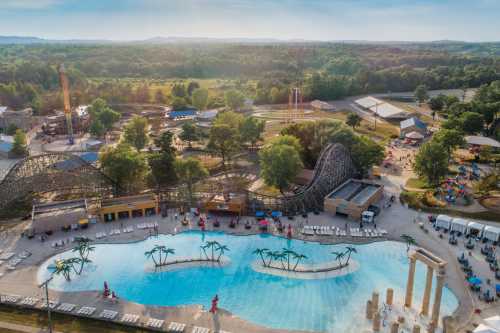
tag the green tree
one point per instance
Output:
(136, 132)
(234, 99)
(160, 97)
(224, 141)
(19, 146)
(366, 153)
(409, 241)
(189, 171)
(450, 139)
(200, 98)
(280, 164)
(472, 122)
(192, 86)
(162, 161)
(125, 165)
(189, 133)
(431, 163)
(11, 129)
(438, 103)
(421, 93)
(261, 253)
(251, 130)
(353, 120)
(289, 140)
(96, 128)
(179, 90)
(178, 103)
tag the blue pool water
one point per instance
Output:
(328, 305)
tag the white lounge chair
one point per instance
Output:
(12, 299)
(29, 301)
(52, 304)
(155, 323)
(197, 329)
(176, 327)
(86, 311)
(66, 307)
(130, 318)
(108, 314)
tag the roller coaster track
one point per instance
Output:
(53, 172)
(334, 166)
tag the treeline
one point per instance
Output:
(324, 70)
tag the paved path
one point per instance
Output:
(22, 328)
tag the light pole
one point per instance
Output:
(45, 285)
(376, 112)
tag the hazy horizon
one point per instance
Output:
(312, 20)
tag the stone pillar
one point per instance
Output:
(376, 322)
(436, 307)
(416, 329)
(375, 300)
(427, 292)
(395, 327)
(389, 298)
(369, 310)
(409, 284)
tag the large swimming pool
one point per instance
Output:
(327, 305)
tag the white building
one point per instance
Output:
(381, 108)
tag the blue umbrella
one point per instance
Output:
(475, 281)
(276, 213)
(498, 288)
(259, 213)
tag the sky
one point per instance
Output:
(377, 20)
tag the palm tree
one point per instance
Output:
(212, 245)
(151, 254)
(204, 249)
(277, 255)
(261, 253)
(339, 256)
(409, 240)
(81, 262)
(287, 253)
(221, 249)
(270, 255)
(166, 251)
(299, 257)
(348, 252)
(83, 248)
(64, 267)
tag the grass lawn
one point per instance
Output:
(62, 323)
(417, 183)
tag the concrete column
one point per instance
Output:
(369, 310)
(376, 322)
(436, 307)
(427, 292)
(375, 300)
(409, 284)
(416, 329)
(395, 327)
(389, 298)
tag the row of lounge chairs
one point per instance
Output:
(147, 225)
(14, 260)
(88, 311)
(331, 230)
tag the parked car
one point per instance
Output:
(374, 209)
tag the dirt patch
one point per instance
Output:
(491, 203)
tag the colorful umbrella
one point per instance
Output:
(475, 281)
(264, 223)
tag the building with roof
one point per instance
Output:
(320, 105)
(381, 108)
(207, 116)
(58, 216)
(22, 119)
(188, 113)
(128, 207)
(482, 141)
(352, 198)
(412, 124)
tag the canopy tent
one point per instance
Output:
(491, 233)
(482, 141)
(276, 214)
(443, 221)
(259, 213)
(459, 225)
(414, 136)
(485, 329)
(493, 322)
(475, 228)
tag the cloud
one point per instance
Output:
(28, 4)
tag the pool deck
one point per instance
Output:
(396, 220)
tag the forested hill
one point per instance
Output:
(326, 70)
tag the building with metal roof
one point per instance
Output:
(381, 108)
(482, 141)
(412, 124)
